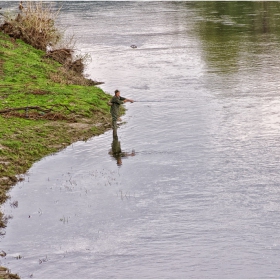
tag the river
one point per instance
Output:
(196, 191)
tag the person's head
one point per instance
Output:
(117, 92)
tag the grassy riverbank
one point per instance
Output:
(42, 111)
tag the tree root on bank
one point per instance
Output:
(38, 112)
(42, 109)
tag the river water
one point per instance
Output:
(196, 191)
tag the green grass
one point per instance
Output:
(26, 71)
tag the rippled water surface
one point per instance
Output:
(197, 193)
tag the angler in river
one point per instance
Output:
(115, 103)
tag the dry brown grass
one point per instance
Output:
(5, 274)
(69, 77)
(34, 25)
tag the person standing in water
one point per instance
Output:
(115, 103)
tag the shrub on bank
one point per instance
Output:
(35, 25)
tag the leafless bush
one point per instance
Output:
(78, 63)
(68, 60)
(63, 56)
(70, 77)
(34, 24)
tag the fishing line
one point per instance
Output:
(154, 100)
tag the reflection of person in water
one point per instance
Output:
(116, 151)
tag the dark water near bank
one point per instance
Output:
(200, 196)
